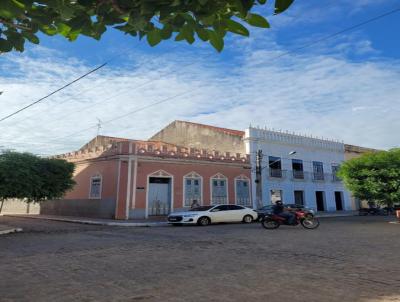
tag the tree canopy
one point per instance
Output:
(209, 20)
(374, 176)
(32, 178)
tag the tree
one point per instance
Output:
(374, 176)
(34, 179)
(210, 20)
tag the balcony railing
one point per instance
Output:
(317, 176)
(298, 174)
(276, 173)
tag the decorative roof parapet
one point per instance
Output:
(155, 149)
(293, 138)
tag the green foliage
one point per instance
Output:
(22, 20)
(29, 177)
(374, 176)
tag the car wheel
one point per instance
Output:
(203, 221)
(247, 219)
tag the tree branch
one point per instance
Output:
(17, 26)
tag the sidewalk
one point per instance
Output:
(6, 229)
(337, 214)
(94, 221)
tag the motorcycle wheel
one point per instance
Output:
(310, 224)
(270, 224)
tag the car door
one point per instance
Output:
(219, 213)
(236, 213)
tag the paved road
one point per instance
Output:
(346, 259)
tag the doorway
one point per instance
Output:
(276, 195)
(320, 198)
(159, 196)
(299, 197)
(339, 200)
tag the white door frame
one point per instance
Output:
(160, 174)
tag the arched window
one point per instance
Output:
(192, 184)
(219, 189)
(95, 187)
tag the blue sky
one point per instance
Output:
(346, 88)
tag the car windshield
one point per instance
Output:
(202, 208)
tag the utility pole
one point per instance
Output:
(259, 200)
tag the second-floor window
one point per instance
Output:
(275, 166)
(297, 167)
(335, 170)
(318, 169)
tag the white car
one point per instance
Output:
(205, 215)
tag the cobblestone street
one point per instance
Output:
(346, 259)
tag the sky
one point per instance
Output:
(345, 88)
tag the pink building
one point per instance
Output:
(127, 179)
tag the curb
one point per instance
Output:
(93, 222)
(394, 222)
(10, 231)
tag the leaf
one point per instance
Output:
(31, 37)
(10, 9)
(166, 32)
(5, 45)
(187, 33)
(179, 37)
(17, 41)
(202, 33)
(257, 20)
(49, 30)
(237, 28)
(63, 29)
(282, 5)
(153, 37)
(216, 40)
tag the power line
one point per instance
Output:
(275, 57)
(63, 116)
(128, 113)
(284, 54)
(54, 92)
(339, 32)
(97, 85)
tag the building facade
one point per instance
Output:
(186, 164)
(194, 135)
(129, 179)
(297, 169)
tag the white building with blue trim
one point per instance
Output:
(297, 169)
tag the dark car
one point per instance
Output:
(268, 209)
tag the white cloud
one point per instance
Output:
(314, 93)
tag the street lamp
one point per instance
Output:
(258, 171)
(270, 164)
